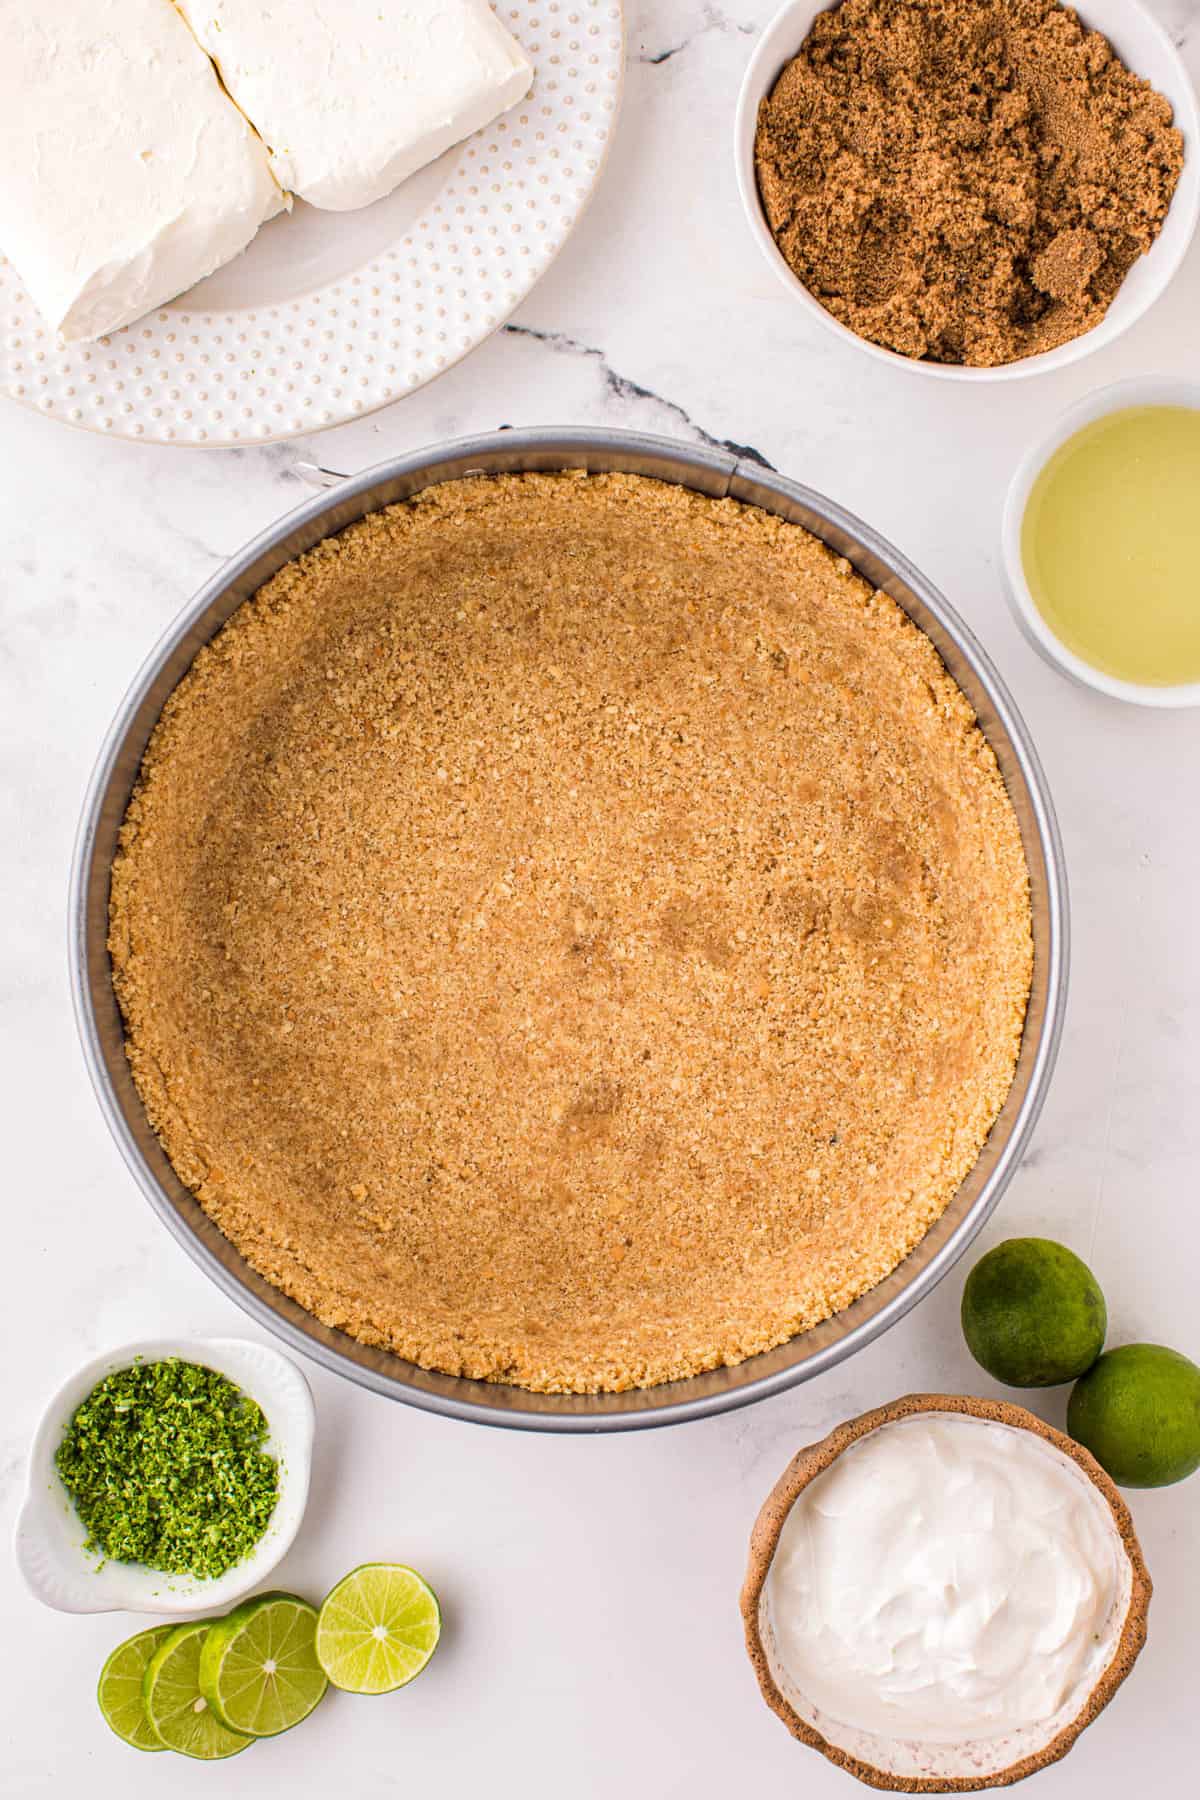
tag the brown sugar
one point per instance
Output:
(571, 931)
(964, 181)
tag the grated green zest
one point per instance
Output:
(166, 1466)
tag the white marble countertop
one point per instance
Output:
(593, 1646)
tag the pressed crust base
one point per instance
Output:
(571, 931)
(808, 1463)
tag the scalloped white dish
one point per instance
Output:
(330, 315)
(50, 1535)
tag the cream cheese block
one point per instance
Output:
(126, 175)
(353, 96)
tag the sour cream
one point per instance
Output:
(946, 1578)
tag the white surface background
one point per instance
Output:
(593, 1644)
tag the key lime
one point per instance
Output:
(1138, 1412)
(258, 1667)
(1033, 1314)
(175, 1707)
(120, 1688)
(378, 1628)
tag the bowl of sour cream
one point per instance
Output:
(945, 1592)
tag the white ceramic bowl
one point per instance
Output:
(1143, 46)
(1155, 390)
(50, 1535)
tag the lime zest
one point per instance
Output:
(167, 1466)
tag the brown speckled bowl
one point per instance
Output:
(908, 1765)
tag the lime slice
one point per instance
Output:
(258, 1667)
(176, 1708)
(378, 1628)
(120, 1688)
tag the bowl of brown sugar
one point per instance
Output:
(977, 189)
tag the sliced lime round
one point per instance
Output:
(378, 1628)
(175, 1707)
(258, 1667)
(120, 1688)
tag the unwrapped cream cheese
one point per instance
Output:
(126, 175)
(353, 96)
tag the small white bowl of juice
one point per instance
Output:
(1101, 542)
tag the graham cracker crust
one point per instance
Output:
(571, 931)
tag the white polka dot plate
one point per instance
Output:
(327, 316)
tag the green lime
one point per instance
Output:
(1138, 1412)
(120, 1688)
(258, 1667)
(1033, 1314)
(378, 1628)
(176, 1708)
